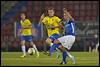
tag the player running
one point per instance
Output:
(65, 42)
(25, 34)
(52, 24)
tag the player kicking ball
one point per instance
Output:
(65, 42)
(25, 34)
(52, 25)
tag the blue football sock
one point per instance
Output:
(53, 47)
(64, 56)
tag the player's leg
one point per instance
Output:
(52, 46)
(97, 45)
(64, 54)
(63, 50)
(22, 38)
(68, 53)
(58, 53)
(68, 42)
(34, 47)
(53, 37)
(49, 42)
(23, 48)
(70, 56)
(29, 38)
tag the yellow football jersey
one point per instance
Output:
(25, 23)
(51, 21)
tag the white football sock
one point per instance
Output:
(23, 49)
(58, 50)
(69, 54)
(51, 44)
(35, 48)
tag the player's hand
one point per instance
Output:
(65, 10)
(42, 16)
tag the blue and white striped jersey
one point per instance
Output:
(69, 27)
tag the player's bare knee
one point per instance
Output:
(31, 43)
(61, 48)
(48, 41)
(22, 43)
(56, 41)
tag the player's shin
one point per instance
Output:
(51, 44)
(69, 54)
(54, 46)
(23, 48)
(64, 54)
(37, 52)
(71, 57)
(24, 51)
(57, 53)
(33, 45)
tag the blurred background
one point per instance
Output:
(85, 13)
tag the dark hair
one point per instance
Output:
(50, 8)
(23, 13)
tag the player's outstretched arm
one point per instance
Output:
(40, 21)
(59, 26)
(19, 32)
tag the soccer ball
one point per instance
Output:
(31, 51)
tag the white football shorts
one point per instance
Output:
(67, 41)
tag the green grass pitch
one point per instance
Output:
(82, 59)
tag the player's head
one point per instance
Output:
(50, 11)
(65, 16)
(23, 16)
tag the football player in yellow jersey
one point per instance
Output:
(52, 24)
(26, 34)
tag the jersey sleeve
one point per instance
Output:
(58, 19)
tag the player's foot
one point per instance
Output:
(72, 60)
(23, 56)
(37, 54)
(62, 62)
(48, 53)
